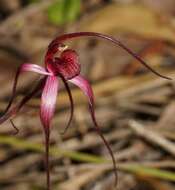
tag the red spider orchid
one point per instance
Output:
(67, 68)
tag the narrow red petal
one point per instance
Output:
(13, 111)
(84, 85)
(48, 100)
(71, 105)
(34, 68)
(91, 108)
(15, 127)
(23, 68)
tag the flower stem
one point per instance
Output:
(47, 165)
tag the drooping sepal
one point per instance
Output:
(48, 100)
(84, 85)
(71, 105)
(11, 112)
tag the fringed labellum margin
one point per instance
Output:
(66, 67)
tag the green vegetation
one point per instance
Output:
(64, 11)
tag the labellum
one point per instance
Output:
(65, 66)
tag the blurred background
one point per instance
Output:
(135, 109)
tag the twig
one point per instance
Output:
(87, 166)
(20, 17)
(152, 137)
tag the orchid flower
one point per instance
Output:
(66, 67)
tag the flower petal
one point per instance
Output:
(48, 100)
(84, 85)
(34, 68)
(71, 105)
(23, 68)
(25, 99)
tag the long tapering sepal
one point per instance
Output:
(58, 41)
(84, 85)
